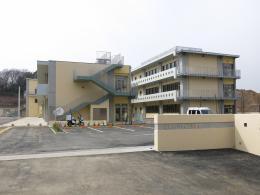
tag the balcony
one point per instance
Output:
(210, 73)
(205, 94)
(155, 77)
(42, 89)
(169, 95)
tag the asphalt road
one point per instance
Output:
(196, 172)
(30, 140)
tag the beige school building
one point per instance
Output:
(98, 91)
(184, 77)
(108, 90)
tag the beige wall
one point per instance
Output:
(167, 139)
(125, 70)
(199, 87)
(42, 71)
(199, 64)
(247, 138)
(33, 109)
(240, 136)
(68, 91)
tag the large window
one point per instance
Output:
(121, 84)
(152, 90)
(171, 108)
(229, 109)
(171, 87)
(228, 69)
(152, 109)
(229, 90)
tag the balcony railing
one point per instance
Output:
(156, 97)
(210, 73)
(179, 95)
(155, 77)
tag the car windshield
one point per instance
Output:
(205, 111)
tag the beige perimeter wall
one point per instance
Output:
(247, 132)
(202, 132)
(193, 132)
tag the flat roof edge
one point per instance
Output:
(209, 53)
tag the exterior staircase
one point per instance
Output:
(96, 80)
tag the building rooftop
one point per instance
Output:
(177, 50)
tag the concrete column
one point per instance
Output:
(160, 108)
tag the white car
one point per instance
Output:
(199, 110)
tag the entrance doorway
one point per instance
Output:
(121, 112)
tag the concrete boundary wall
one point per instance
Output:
(247, 133)
(193, 132)
(203, 132)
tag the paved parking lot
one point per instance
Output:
(193, 172)
(30, 140)
(4, 120)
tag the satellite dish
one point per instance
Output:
(58, 111)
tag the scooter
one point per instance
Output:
(81, 120)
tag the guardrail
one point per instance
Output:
(209, 73)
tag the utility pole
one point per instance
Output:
(19, 96)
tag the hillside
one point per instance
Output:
(248, 101)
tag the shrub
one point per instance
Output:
(57, 127)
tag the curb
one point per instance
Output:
(90, 152)
(4, 130)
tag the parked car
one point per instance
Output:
(199, 110)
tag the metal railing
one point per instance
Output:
(210, 73)
(107, 85)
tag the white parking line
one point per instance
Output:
(146, 127)
(144, 134)
(95, 129)
(125, 129)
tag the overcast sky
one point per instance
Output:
(74, 30)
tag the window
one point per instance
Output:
(229, 109)
(152, 109)
(171, 87)
(228, 69)
(170, 65)
(140, 76)
(121, 84)
(35, 101)
(174, 63)
(229, 90)
(135, 78)
(171, 108)
(152, 90)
